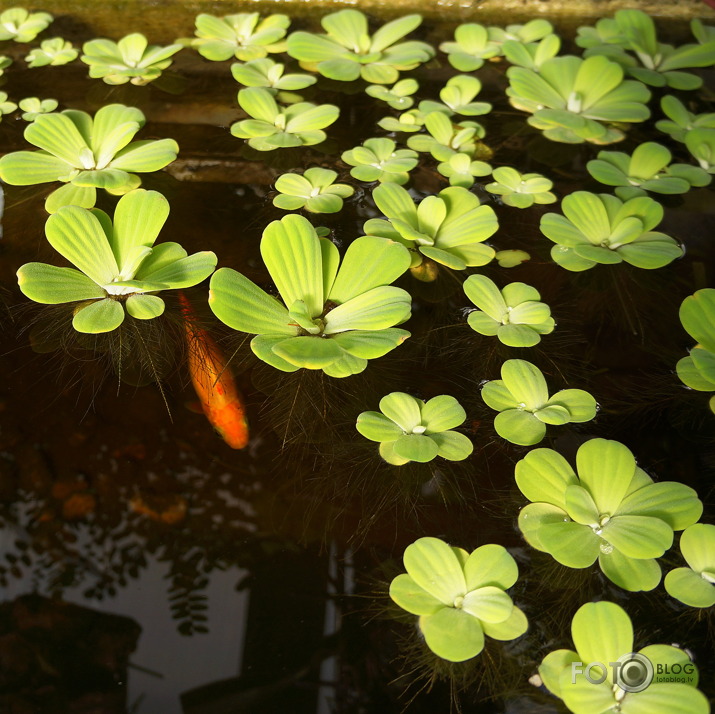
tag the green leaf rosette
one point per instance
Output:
(314, 191)
(380, 160)
(20, 25)
(695, 585)
(520, 190)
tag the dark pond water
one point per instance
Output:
(260, 575)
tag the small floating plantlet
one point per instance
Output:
(410, 429)
(531, 54)
(459, 597)
(697, 315)
(461, 170)
(243, 36)
(680, 121)
(348, 52)
(117, 266)
(471, 46)
(269, 74)
(5, 62)
(399, 96)
(331, 318)
(701, 145)
(522, 399)
(131, 59)
(380, 160)
(55, 52)
(86, 154)
(32, 107)
(445, 139)
(458, 98)
(695, 584)
(514, 314)
(612, 511)
(314, 191)
(575, 100)
(410, 121)
(449, 228)
(20, 25)
(5, 106)
(602, 633)
(532, 31)
(520, 190)
(600, 228)
(273, 127)
(647, 169)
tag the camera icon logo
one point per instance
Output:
(633, 672)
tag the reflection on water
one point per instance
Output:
(258, 577)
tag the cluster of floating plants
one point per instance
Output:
(333, 308)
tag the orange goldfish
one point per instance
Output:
(213, 381)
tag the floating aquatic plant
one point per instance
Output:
(409, 121)
(600, 228)
(331, 318)
(532, 31)
(348, 51)
(410, 429)
(86, 154)
(520, 190)
(131, 59)
(314, 191)
(244, 36)
(701, 144)
(20, 25)
(470, 48)
(660, 63)
(32, 107)
(380, 160)
(5, 62)
(450, 228)
(398, 96)
(461, 170)
(459, 596)
(697, 315)
(522, 399)
(268, 73)
(531, 54)
(680, 121)
(458, 98)
(695, 584)
(511, 258)
(514, 314)
(55, 52)
(602, 633)
(647, 169)
(273, 127)
(5, 106)
(117, 266)
(612, 511)
(575, 100)
(446, 139)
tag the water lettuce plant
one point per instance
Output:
(32, 107)
(520, 190)
(660, 63)
(701, 144)
(531, 54)
(602, 632)
(272, 126)
(244, 36)
(398, 96)
(514, 314)
(457, 97)
(600, 228)
(695, 585)
(333, 317)
(347, 51)
(445, 139)
(410, 429)
(532, 31)
(314, 191)
(575, 100)
(131, 59)
(647, 169)
(459, 596)
(410, 121)
(471, 46)
(5, 106)
(522, 399)
(85, 154)
(54, 51)
(5, 62)
(461, 170)
(380, 160)
(607, 510)
(680, 121)
(268, 73)
(449, 228)
(117, 266)
(19, 25)
(697, 315)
